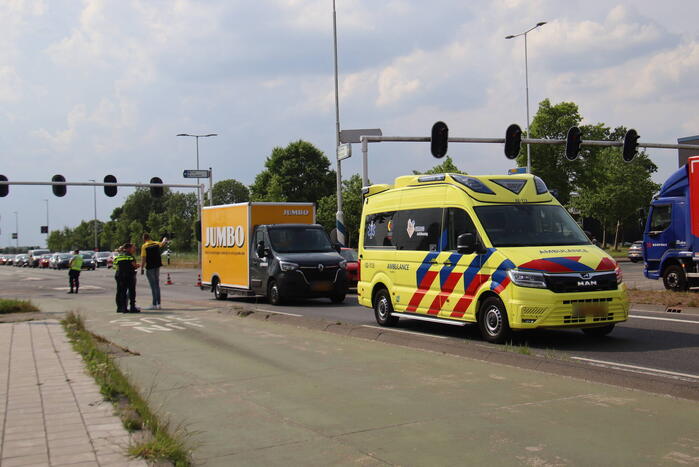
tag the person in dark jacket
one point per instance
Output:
(125, 267)
(151, 261)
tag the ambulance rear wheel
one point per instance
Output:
(493, 321)
(383, 309)
(273, 294)
(218, 293)
(674, 279)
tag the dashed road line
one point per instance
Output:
(277, 312)
(405, 332)
(656, 318)
(639, 369)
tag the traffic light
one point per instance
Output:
(439, 140)
(156, 191)
(513, 141)
(110, 191)
(573, 142)
(630, 145)
(4, 189)
(58, 190)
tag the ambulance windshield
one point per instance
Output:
(300, 240)
(530, 225)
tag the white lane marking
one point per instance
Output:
(156, 323)
(638, 369)
(404, 332)
(277, 312)
(664, 319)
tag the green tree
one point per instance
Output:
(299, 172)
(230, 191)
(618, 190)
(445, 167)
(352, 201)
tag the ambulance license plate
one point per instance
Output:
(595, 310)
(321, 286)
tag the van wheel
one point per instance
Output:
(492, 319)
(674, 279)
(337, 297)
(273, 294)
(599, 332)
(383, 309)
(218, 293)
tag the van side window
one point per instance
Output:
(417, 229)
(456, 222)
(661, 217)
(259, 237)
(378, 230)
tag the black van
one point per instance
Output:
(296, 260)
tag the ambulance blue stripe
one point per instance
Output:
(425, 266)
(443, 241)
(475, 267)
(446, 270)
(570, 264)
(501, 273)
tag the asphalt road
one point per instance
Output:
(651, 342)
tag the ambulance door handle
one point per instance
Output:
(448, 264)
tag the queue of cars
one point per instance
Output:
(47, 260)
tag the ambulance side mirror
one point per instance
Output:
(466, 243)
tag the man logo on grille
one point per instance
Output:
(320, 268)
(584, 275)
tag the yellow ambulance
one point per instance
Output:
(273, 250)
(495, 250)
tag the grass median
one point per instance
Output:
(664, 297)
(164, 442)
(16, 306)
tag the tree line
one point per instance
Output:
(598, 185)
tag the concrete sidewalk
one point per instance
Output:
(51, 410)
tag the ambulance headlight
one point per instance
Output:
(527, 278)
(288, 266)
(343, 264)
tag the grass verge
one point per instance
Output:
(164, 442)
(664, 297)
(16, 306)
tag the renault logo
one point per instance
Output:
(320, 268)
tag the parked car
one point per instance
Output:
(21, 260)
(60, 260)
(350, 256)
(89, 261)
(636, 251)
(44, 261)
(9, 260)
(103, 259)
(35, 255)
(3, 259)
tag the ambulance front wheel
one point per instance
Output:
(383, 309)
(493, 321)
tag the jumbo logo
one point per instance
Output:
(295, 212)
(228, 236)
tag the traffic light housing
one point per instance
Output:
(630, 145)
(573, 142)
(439, 140)
(513, 141)
(58, 190)
(4, 189)
(110, 191)
(156, 191)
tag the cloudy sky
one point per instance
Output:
(97, 87)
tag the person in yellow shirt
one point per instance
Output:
(151, 262)
(74, 267)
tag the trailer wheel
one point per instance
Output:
(674, 278)
(218, 293)
(273, 294)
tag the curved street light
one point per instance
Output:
(526, 83)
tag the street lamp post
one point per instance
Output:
(94, 224)
(339, 216)
(526, 84)
(47, 222)
(197, 139)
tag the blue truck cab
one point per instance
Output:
(671, 233)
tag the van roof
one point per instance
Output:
(520, 188)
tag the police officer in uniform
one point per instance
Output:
(125, 267)
(74, 267)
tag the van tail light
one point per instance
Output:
(359, 269)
